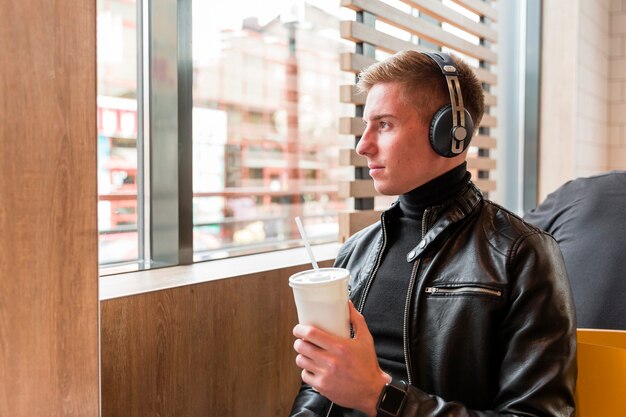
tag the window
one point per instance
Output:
(271, 59)
(117, 132)
(253, 108)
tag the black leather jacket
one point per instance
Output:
(490, 324)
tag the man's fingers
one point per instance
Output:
(313, 335)
(305, 348)
(308, 377)
(306, 364)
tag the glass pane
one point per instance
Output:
(266, 116)
(117, 131)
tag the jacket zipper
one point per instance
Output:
(405, 334)
(407, 306)
(456, 290)
(369, 281)
(373, 274)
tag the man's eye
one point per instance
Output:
(384, 125)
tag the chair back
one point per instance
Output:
(601, 384)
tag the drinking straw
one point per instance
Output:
(306, 243)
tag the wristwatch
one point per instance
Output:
(392, 399)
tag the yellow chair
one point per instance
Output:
(601, 385)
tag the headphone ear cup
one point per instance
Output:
(440, 132)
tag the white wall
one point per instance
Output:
(592, 112)
(559, 75)
(617, 85)
(583, 103)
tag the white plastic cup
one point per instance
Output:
(321, 297)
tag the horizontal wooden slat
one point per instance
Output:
(485, 184)
(349, 94)
(445, 14)
(357, 188)
(421, 28)
(484, 142)
(354, 125)
(486, 76)
(491, 100)
(351, 222)
(488, 121)
(358, 32)
(365, 188)
(349, 157)
(480, 7)
(351, 126)
(355, 63)
(482, 164)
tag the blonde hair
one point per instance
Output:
(425, 86)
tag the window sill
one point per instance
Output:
(133, 283)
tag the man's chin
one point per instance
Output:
(383, 190)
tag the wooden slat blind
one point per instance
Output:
(482, 8)
(425, 30)
(442, 13)
(422, 25)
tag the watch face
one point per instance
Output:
(391, 400)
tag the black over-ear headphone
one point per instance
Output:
(451, 128)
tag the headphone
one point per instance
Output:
(451, 128)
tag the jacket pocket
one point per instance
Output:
(463, 290)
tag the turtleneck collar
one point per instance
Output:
(434, 192)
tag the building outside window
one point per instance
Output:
(265, 126)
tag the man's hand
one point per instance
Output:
(345, 371)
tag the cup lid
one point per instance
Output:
(318, 277)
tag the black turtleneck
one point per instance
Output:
(385, 303)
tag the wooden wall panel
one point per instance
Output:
(222, 348)
(48, 228)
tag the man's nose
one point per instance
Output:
(364, 146)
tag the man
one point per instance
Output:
(586, 217)
(460, 308)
